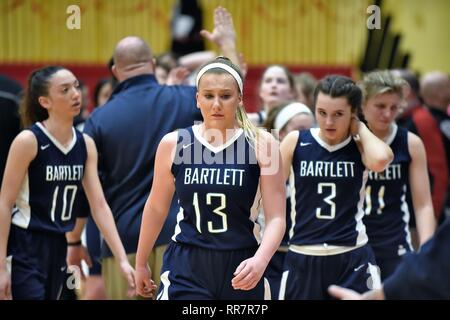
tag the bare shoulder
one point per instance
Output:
(290, 140)
(26, 141)
(170, 138)
(88, 139)
(415, 144)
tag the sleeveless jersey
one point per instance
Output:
(49, 189)
(327, 192)
(216, 188)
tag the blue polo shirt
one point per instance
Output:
(127, 131)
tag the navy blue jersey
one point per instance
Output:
(216, 188)
(387, 211)
(48, 192)
(327, 188)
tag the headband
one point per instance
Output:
(223, 66)
(288, 112)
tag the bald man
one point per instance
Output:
(127, 131)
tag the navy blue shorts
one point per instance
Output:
(308, 277)
(38, 264)
(193, 273)
(388, 265)
(274, 272)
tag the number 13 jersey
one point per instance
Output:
(327, 192)
(216, 188)
(49, 189)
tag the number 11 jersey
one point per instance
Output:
(49, 189)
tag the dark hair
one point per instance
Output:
(31, 110)
(289, 76)
(411, 78)
(98, 87)
(337, 86)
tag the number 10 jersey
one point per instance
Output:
(48, 192)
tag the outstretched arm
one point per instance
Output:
(102, 213)
(155, 212)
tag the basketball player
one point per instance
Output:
(328, 174)
(215, 172)
(387, 211)
(46, 165)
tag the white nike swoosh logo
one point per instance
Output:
(302, 144)
(356, 269)
(45, 147)
(187, 145)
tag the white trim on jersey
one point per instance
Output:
(56, 142)
(165, 282)
(406, 216)
(392, 135)
(180, 217)
(321, 250)
(293, 202)
(9, 264)
(255, 212)
(362, 238)
(267, 292)
(198, 136)
(315, 135)
(284, 278)
(22, 211)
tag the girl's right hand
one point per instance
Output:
(145, 286)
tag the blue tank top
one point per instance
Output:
(387, 212)
(47, 195)
(216, 188)
(327, 192)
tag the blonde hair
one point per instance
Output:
(379, 82)
(250, 130)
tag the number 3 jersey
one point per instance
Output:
(216, 188)
(49, 189)
(327, 192)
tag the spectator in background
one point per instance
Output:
(305, 83)
(435, 90)
(276, 86)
